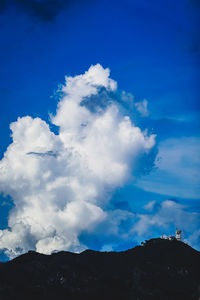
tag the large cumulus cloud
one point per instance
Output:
(59, 183)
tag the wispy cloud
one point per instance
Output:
(178, 169)
(165, 217)
(142, 107)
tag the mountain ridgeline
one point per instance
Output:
(160, 269)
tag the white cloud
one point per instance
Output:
(178, 169)
(150, 205)
(165, 219)
(59, 183)
(142, 107)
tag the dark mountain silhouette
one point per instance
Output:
(160, 269)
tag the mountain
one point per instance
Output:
(159, 269)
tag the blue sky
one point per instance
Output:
(152, 51)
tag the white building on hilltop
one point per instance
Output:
(178, 234)
(171, 237)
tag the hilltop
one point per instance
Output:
(160, 269)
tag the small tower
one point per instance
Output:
(178, 234)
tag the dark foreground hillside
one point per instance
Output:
(161, 269)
